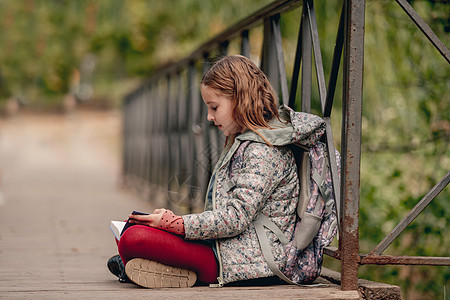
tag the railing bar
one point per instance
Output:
(153, 125)
(334, 171)
(166, 124)
(306, 63)
(138, 134)
(331, 251)
(245, 44)
(162, 132)
(150, 109)
(177, 130)
(420, 206)
(148, 131)
(155, 112)
(335, 65)
(134, 155)
(143, 134)
(199, 137)
(124, 136)
(139, 149)
(181, 102)
(131, 137)
(186, 152)
(168, 161)
(126, 140)
(206, 152)
(181, 122)
(143, 137)
(192, 118)
(157, 143)
(404, 260)
(262, 63)
(280, 58)
(152, 130)
(269, 64)
(223, 48)
(423, 26)
(205, 67)
(296, 71)
(317, 53)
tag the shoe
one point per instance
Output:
(152, 274)
(115, 266)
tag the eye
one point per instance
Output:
(214, 108)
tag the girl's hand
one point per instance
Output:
(148, 220)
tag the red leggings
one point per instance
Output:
(151, 243)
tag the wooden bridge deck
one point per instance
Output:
(59, 190)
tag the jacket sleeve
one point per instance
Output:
(244, 196)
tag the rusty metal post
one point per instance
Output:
(351, 141)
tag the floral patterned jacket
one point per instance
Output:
(250, 178)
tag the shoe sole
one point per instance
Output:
(152, 274)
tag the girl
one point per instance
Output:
(255, 174)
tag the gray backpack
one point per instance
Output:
(316, 223)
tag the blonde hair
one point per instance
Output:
(254, 100)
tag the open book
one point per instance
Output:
(119, 227)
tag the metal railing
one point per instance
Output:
(167, 139)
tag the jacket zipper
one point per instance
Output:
(220, 163)
(220, 278)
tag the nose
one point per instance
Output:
(210, 117)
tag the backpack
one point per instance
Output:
(316, 223)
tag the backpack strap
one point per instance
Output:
(325, 191)
(261, 222)
(304, 172)
(310, 221)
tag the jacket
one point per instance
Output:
(252, 177)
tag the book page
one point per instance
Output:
(116, 228)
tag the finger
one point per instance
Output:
(139, 223)
(135, 217)
(159, 210)
(153, 219)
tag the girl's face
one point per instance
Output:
(220, 111)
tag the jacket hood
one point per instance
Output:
(296, 127)
(299, 128)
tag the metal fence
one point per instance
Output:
(170, 146)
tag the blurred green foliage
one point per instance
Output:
(45, 43)
(406, 132)
(50, 47)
